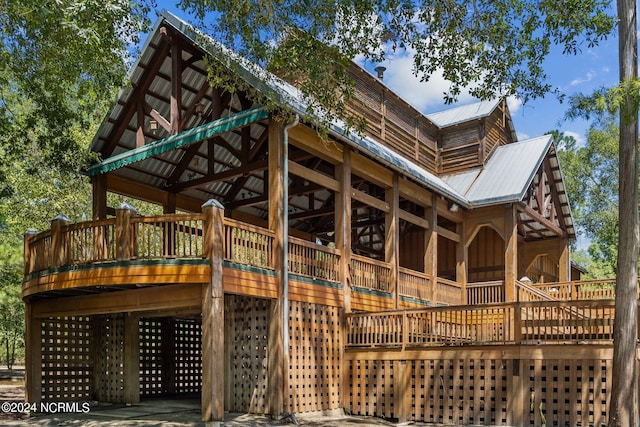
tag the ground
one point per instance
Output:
(153, 413)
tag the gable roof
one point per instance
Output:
(464, 113)
(508, 175)
(504, 178)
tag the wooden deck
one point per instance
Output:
(133, 251)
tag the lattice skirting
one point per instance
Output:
(67, 367)
(480, 391)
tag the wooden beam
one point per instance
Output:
(176, 86)
(372, 171)
(511, 253)
(522, 207)
(308, 139)
(370, 200)
(414, 193)
(392, 237)
(136, 96)
(451, 235)
(150, 194)
(414, 219)
(314, 176)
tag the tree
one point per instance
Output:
(624, 394)
(487, 47)
(60, 64)
(591, 179)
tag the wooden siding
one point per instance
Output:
(486, 256)
(393, 122)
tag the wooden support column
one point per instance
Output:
(402, 394)
(169, 230)
(59, 243)
(564, 262)
(33, 356)
(343, 225)
(462, 262)
(277, 365)
(511, 253)
(342, 222)
(431, 248)
(99, 193)
(213, 315)
(392, 237)
(131, 358)
(124, 232)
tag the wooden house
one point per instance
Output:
(291, 273)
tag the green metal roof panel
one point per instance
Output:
(185, 138)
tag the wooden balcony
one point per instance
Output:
(132, 251)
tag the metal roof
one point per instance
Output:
(465, 113)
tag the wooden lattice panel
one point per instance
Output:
(247, 326)
(111, 365)
(188, 356)
(151, 357)
(314, 357)
(67, 373)
(460, 391)
(567, 392)
(372, 388)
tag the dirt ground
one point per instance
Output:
(153, 413)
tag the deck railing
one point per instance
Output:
(168, 236)
(247, 244)
(313, 260)
(533, 322)
(485, 292)
(580, 290)
(414, 284)
(370, 274)
(449, 292)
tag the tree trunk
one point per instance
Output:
(624, 400)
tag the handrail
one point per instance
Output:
(312, 260)
(414, 284)
(490, 292)
(370, 274)
(525, 292)
(524, 323)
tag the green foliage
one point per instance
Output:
(11, 307)
(591, 178)
(60, 64)
(491, 48)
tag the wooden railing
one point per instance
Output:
(534, 322)
(91, 241)
(247, 244)
(370, 274)
(433, 326)
(414, 284)
(449, 292)
(485, 292)
(580, 290)
(314, 261)
(168, 236)
(526, 292)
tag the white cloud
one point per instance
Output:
(522, 136)
(514, 103)
(580, 141)
(590, 75)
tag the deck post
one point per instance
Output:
(510, 253)
(213, 315)
(462, 261)
(59, 244)
(277, 364)
(99, 197)
(431, 249)
(124, 232)
(29, 261)
(392, 237)
(564, 264)
(131, 359)
(343, 243)
(33, 356)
